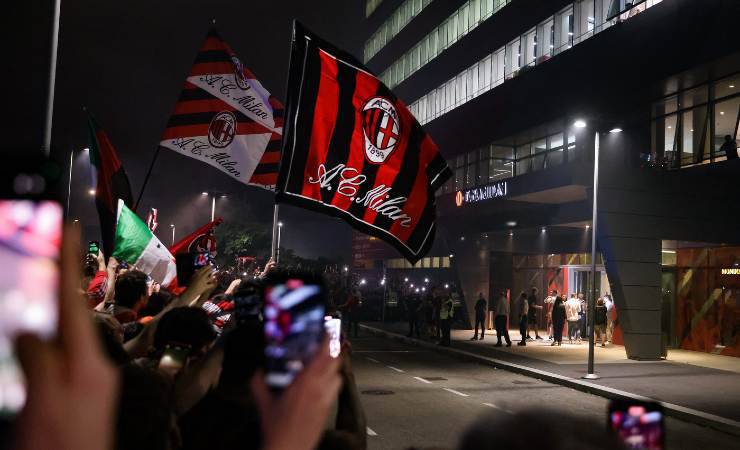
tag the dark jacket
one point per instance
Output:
(600, 315)
(558, 311)
(480, 307)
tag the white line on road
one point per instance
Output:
(370, 432)
(372, 360)
(396, 369)
(456, 392)
(422, 380)
(491, 405)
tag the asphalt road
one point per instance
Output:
(416, 397)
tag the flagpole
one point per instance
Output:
(275, 214)
(146, 179)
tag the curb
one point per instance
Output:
(676, 411)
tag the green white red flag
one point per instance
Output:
(139, 247)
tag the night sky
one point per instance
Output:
(127, 61)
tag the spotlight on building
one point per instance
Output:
(423, 289)
(447, 286)
(406, 280)
(511, 223)
(543, 229)
(615, 130)
(579, 123)
(411, 285)
(346, 269)
(416, 290)
(91, 192)
(363, 281)
(588, 226)
(426, 280)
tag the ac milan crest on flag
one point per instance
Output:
(112, 182)
(201, 240)
(226, 118)
(352, 149)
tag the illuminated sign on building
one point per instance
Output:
(731, 271)
(479, 194)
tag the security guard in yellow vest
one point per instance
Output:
(446, 312)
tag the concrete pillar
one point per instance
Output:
(633, 267)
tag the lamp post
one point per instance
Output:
(591, 375)
(277, 250)
(213, 201)
(172, 225)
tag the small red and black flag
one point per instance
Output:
(112, 183)
(353, 150)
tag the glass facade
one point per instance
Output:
(493, 163)
(689, 127)
(392, 26)
(457, 25)
(554, 35)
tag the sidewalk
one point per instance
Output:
(694, 386)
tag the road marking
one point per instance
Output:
(372, 360)
(370, 432)
(396, 369)
(456, 392)
(491, 405)
(422, 380)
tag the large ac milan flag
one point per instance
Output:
(352, 149)
(112, 182)
(226, 118)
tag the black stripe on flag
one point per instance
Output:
(205, 117)
(308, 93)
(344, 126)
(404, 181)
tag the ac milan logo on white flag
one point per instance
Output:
(225, 117)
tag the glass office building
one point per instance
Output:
(518, 94)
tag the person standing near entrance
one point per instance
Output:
(558, 319)
(609, 303)
(445, 319)
(501, 320)
(549, 302)
(480, 317)
(572, 312)
(600, 321)
(532, 316)
(582, 325)
(523, 305)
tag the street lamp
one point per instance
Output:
(172, 225)
(594, 223)
(213, 201)
(91, 192)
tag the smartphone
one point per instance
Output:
(334, 332)
(188, 263)
(640, 425)
(294, 326)
(174, 357)
(93, 247)
(247, 301)
(30, 240)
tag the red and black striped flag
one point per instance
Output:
(112, 183)
(226, 118)
(352, 149)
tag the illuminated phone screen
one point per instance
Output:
(294, 328)
(639, 425)
(30, 238)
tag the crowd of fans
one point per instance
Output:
(111, 380)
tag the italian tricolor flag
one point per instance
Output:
(139, 247)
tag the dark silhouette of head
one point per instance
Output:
(131, 288)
